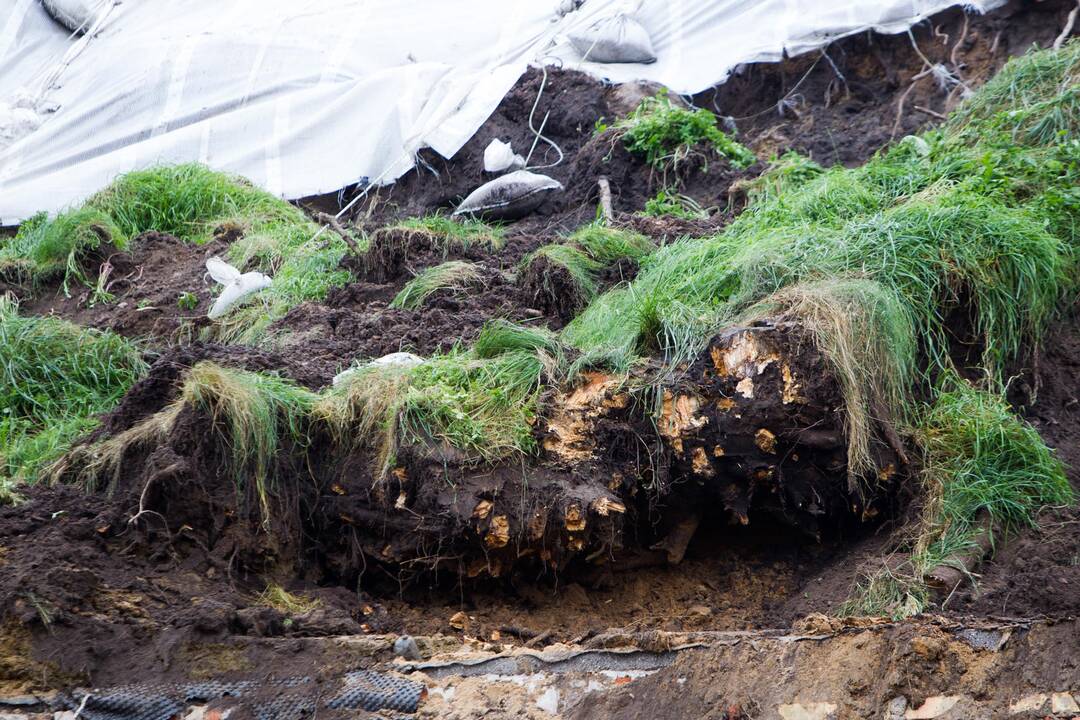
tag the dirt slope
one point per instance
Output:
(87, 598)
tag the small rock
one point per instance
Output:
(808, 711)
(935, 706)
(1061, 703)
(818, 624)
(323, 621)
(1029, 703)
(895, 709)
(700, 610)
(549, 701)
(459, 620)
(405, 646)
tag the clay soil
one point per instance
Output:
(88, 597)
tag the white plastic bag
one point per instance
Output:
(509, 197)
(616, 39)
(237, 286)
(499, 156)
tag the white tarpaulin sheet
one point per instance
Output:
(308, 96)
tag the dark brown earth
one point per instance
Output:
(93, 598)
(148, 281)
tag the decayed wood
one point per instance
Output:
(944, 578)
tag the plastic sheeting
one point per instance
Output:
(308, 96)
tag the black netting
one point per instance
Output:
(367, 690)
(270, 700)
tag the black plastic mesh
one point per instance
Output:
(271, 700)
(367, 690)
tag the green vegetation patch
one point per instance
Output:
(54, 378)
(980, 461)
(973, 226)
(453, 276)
(482, 401)
(583, 256)
(666, 135)
(668, 202)
(189, 201)
(459, 232)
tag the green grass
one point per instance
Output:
(588, 252)
(54, 378)
(261, 420)
(189, 201)
(285, 602)
(455, 276)
(460, 232)
(482, 401)
(44, 251)
(668, 202)
(608, 245)
(582, 269)
(782, 175)
(975, 225)
(979, 460)
(666, 135)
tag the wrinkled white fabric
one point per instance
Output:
(309, 96)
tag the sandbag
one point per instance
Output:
(509, 197)
(617, 39)
(499, 156)
(75, 15)
(403, 360)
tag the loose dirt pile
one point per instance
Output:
(170, 571)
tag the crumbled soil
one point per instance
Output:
(89, 597)
(159, 285)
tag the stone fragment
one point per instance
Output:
(934, 707)
(1029, 703)
(1062, 702)
(808, 711)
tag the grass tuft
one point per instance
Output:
(252, 412)
(668, 202)
(454, 276)
(979, 460)
(189, 201)
(581, 268)
(285, 602)
(608, 245)
(459, 232)
(783, 175)
(481, 401)
(54, 378)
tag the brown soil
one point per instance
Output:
(88, 596)
(148, 282)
